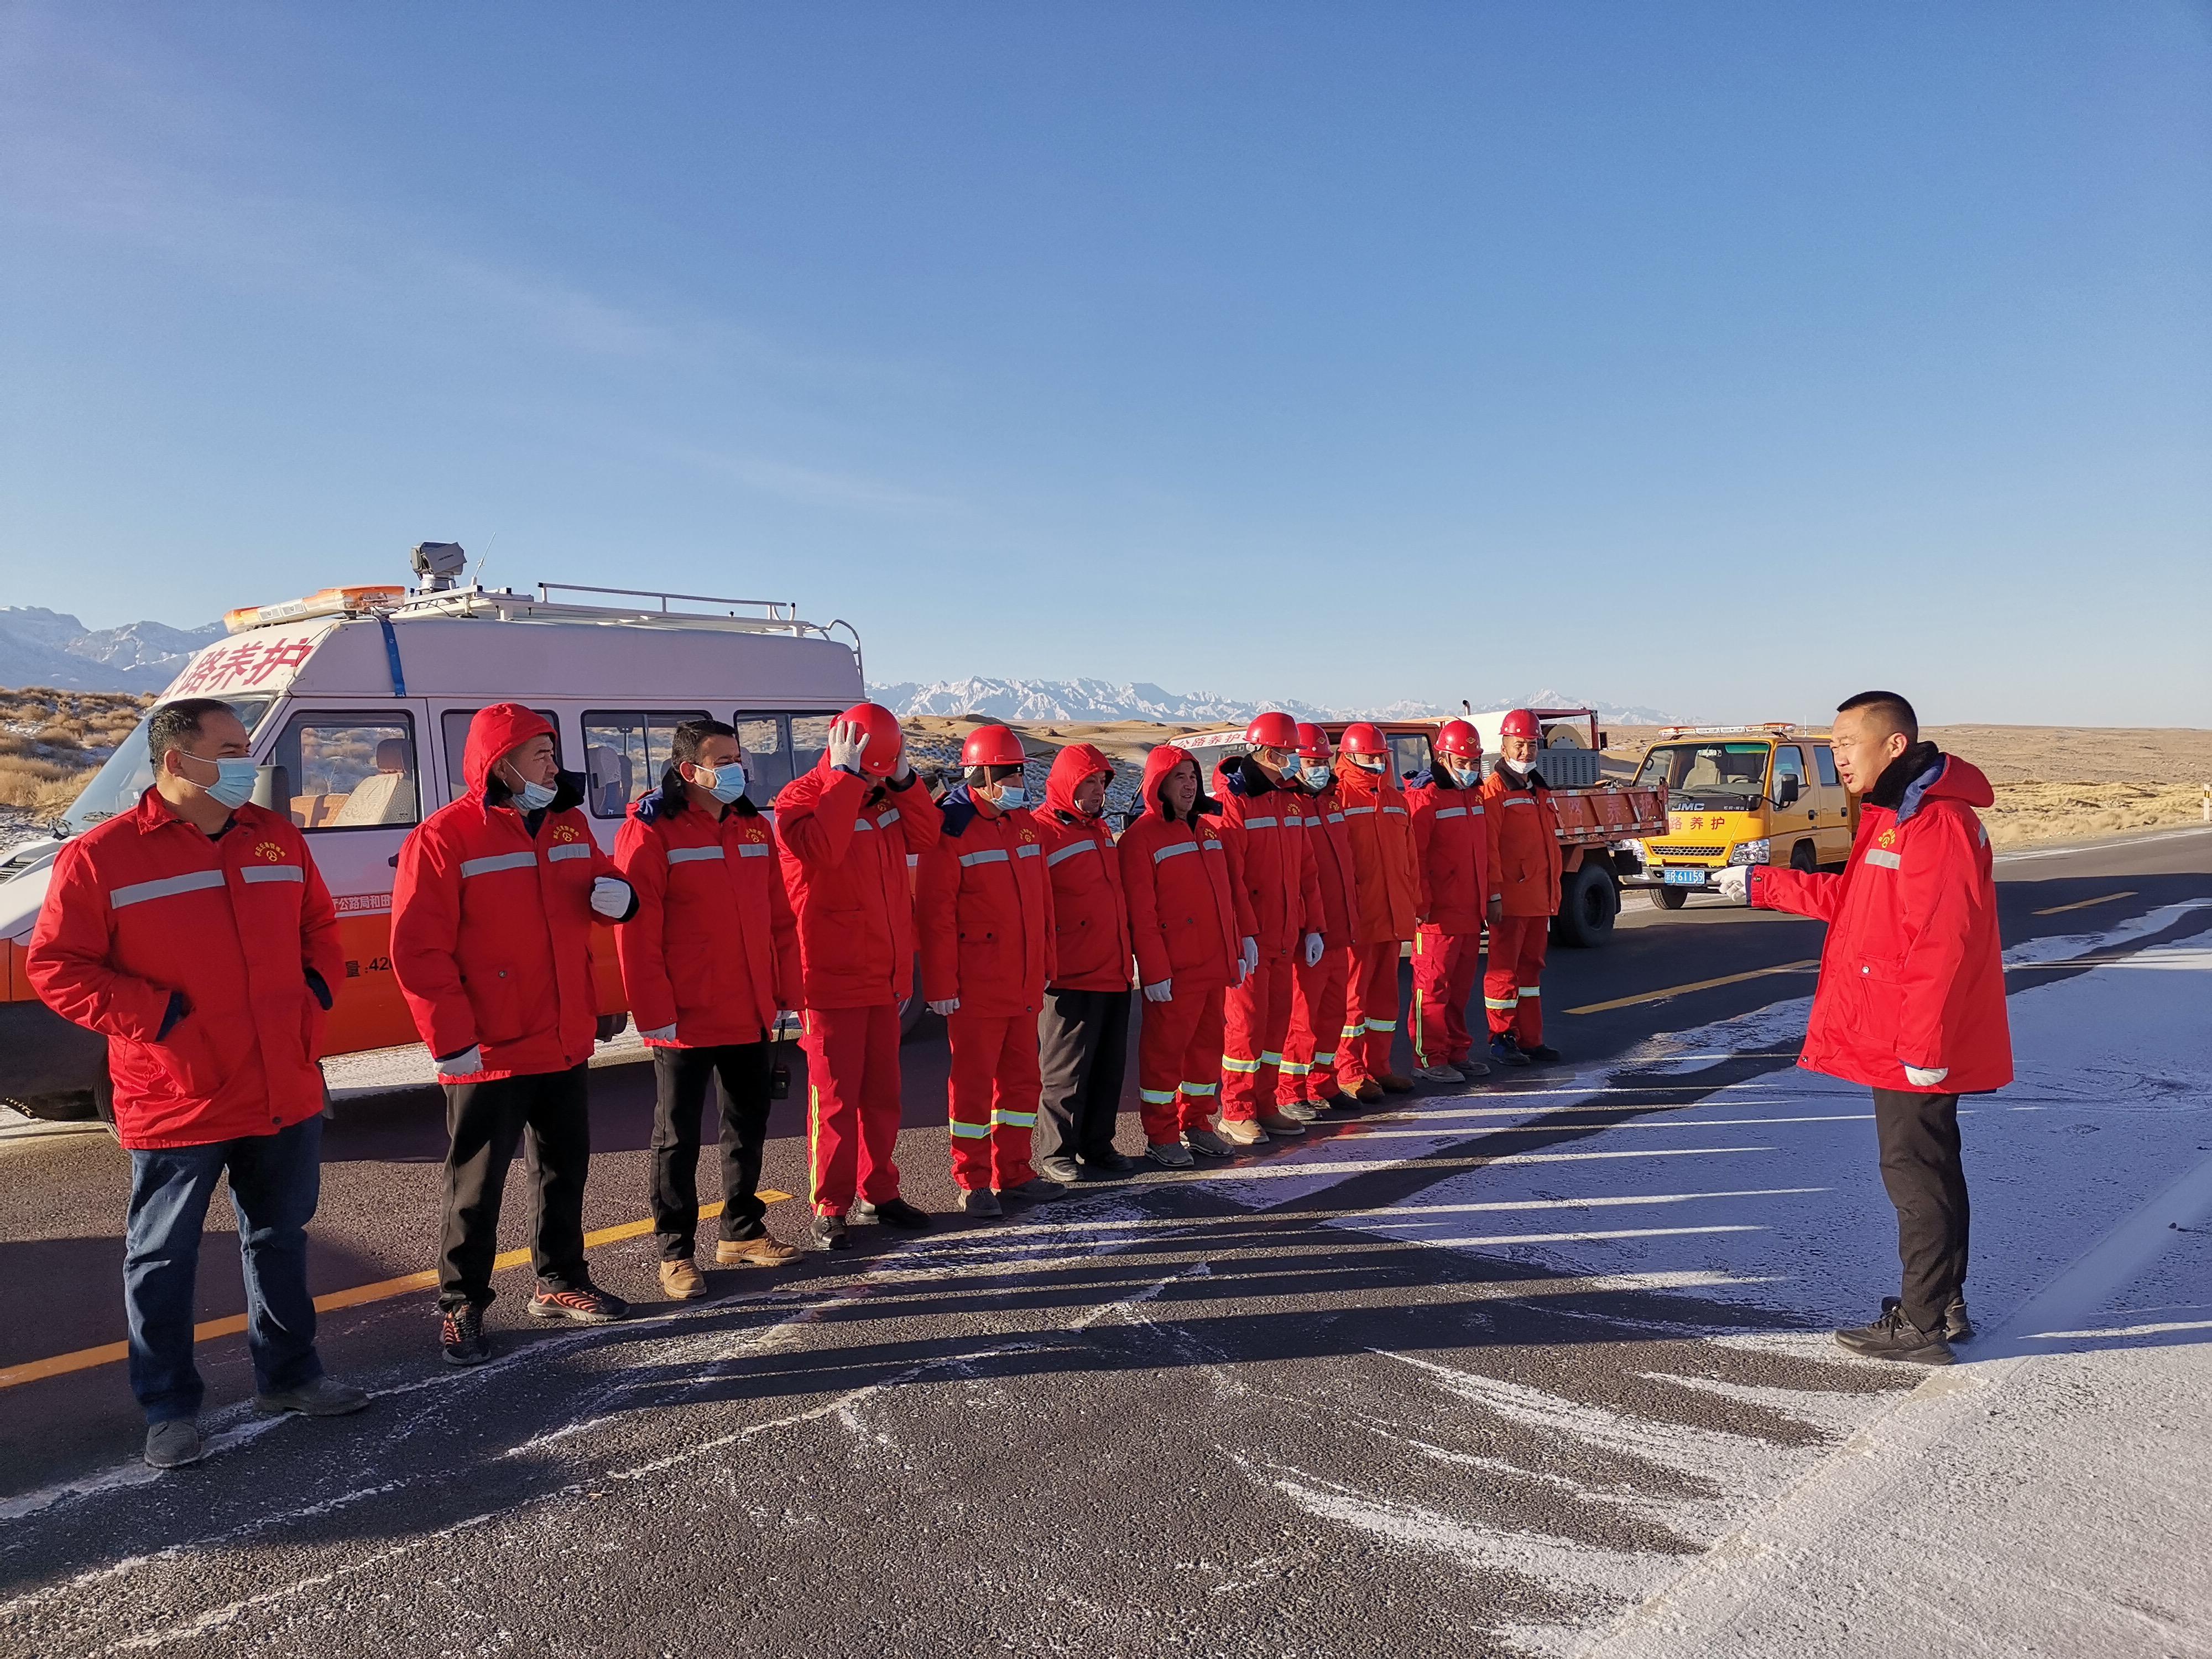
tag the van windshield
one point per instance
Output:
(118, 785)
(1693, 773)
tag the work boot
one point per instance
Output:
(1543, 1052)
(1339, 1107)
(1281, 1127)
(1240, 1132)
(1369, 1093)
(1169, 1154)
(760, 1251)
(682, 1281)
(173, 1442)
(1206, 1144)
(1038, 1189)
(891, 1212)
(1393, 1085)
(1107, 1163)
(461, 1334)
(585, 1305)
(1894, 1336)
(828, 1233)
(981, 1201)
(1957, 1328)
(1505, 1051)
(323, 1397)
(1439, 1072)
(1060, 1167)
(1470, 1068)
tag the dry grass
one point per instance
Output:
(51, 742)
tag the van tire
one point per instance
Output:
(1588, 902)
(1670, 898)
(1802, 859)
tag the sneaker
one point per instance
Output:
(1369, 1092)
(1470, 1068)
(1106, 1163)
(893, 1212)
(461, 1334)
(1543, 1052)
(1337, 1108)
(1893, 1336)
(1060, 1168)
(1393, 1085)
(981, 1201)
(1298, 1111)
(1281, 1128)
(828, 1233)
(1957, 1328)
(1206, 1144)
(1506, 1051)
(588, 1306)
(323, 1397)
(174, 1443)
(1170, 1154)
(1038, 1189)
(1439, 1072)
(763, 1251)
(1240, 1132)
(682, 1281)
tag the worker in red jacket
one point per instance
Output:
(1310, 1087)
(1264, 814)
(492, 912)
(194, 932)
(1190, 924)
(985, 905)
(1386, 885)
(1910, 999)
(709, 963)
(846, 828)
(1083, 1034)
(1453, 843)
(1524, 893)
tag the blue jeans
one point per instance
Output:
(275, 1182)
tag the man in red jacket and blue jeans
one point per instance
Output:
(194, 932)
(1910, 998)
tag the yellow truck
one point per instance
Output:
(1739, 795)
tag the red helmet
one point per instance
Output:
(886, 743)
(1361, 738)
(1313, 742)
(1272, 730)
(1521, 724)
(991, 745)
(1458, 738)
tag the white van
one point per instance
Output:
(359, 700)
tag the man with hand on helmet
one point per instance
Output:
(1524, 893)
(1454, 848)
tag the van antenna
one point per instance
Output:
(476, 580)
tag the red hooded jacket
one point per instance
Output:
(1091, 918)
(1189, 915)
(491, 925)
(1267, 820)
(985, 903)
(1525, 859)
(1453, 842)
(713, 948)
(1386, 869)
(844, 866)
(1912, 972)
(144, 905)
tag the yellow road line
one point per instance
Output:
(382, 1290)
(1694, 985)
(2082, 904)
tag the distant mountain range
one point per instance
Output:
(48, 647)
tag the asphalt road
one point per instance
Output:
(1153, 1418)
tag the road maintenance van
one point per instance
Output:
(1741, 794)
(358, 701)
(1598, 821)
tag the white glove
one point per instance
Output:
(1734, 884)
(847, 740)
(1251, 956)
(1926, 1077)
(948, 1005)
(1160, 991)
(467, 1064)
(1313, 949)
(660, 1034)
(610, 896)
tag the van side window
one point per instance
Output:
(1826, 760)
(453, 725)
(767, 755)
(1789, 763)
(349, 770)
(625, 754)
(810, 741)
(1409, 753)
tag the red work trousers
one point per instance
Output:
(1445, 967)
(1370, 1015)
(852, 1105)
(1179, 1064)
(1258, 1022)
(1512, 991)
(995, 1086)
(1309, 1052)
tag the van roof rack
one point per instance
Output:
(710, 613)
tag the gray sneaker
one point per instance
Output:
(1208, 1144)
(1059, 1169)
(1170, 1154)
(1470, 1068)
(1438, 1073)
(174, 1443)
(320, 1398)
(1036, 1190)
(981, 1201)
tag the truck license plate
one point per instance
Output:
(1685, 877)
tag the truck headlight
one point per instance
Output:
(1751, 851)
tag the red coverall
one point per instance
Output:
(986, 937)
(1524, 872)
(1309, 1052)
(844, 842)
(1386, 882)
(1266, 821)
(1452, 840)
(1188, 917)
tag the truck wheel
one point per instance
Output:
(1588, 903)
(61, 1106)
(1670, 898)
(1802, 858)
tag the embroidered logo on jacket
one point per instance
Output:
(566, 832)
(271, 851)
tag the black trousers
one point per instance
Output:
(739, 1072)
(547, 1114)
(1083, 1049)
(1926, 1176)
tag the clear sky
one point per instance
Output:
(1727, 358)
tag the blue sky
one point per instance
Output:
(1727, 358)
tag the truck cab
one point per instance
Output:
(1740, 795)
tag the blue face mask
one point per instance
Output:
(1317, 776)
(532, 797)
(1010, 793)
(1468, 777)
(729, 781)
(234, 784)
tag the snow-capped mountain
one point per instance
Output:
(1101, 700)
(40, 646)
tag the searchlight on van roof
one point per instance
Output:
(437, 563)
